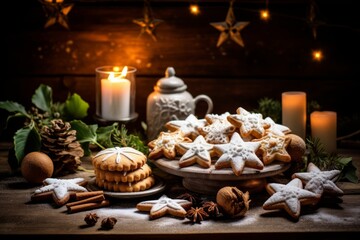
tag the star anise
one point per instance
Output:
(194, 199)
(91, 219)
(197, 214)
(108, 223)
(211, 208)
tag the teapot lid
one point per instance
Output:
(170, 83)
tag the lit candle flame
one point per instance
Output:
(112, 77)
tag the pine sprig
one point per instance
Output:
(329, 161)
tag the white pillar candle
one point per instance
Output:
(115, 98)
(323, 126)
(294, 112)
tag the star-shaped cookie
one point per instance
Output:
(198, 152)
(165, 205)
(59, 189)
(320, 182)
(276, 128)
(56, 12)
(250, 124)
(289, 197)
(218, 130)
(230, 28)
(165, 144)
(237, 154)
(273, 147)
(189, 126)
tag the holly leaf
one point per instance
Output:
(26, 139)
(13, 107)
(42, 98)
(76, 107)
(348, 170)
(104, 135)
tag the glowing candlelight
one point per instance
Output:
(323, 126)
(294, 112)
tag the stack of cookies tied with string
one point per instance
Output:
(122, 169)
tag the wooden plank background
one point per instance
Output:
(276, 56)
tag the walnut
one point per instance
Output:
(232, 201)
(108, 223)
(196, 215)
(91, 219)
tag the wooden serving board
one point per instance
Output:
(210, 180)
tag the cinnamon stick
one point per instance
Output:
(94, 199)
(88, 206)
(82, 195)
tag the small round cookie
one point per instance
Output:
(119, 159)
(141, 185)
(115, 176)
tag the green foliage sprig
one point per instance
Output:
(27, 138)
(269, 108)
(329, 161)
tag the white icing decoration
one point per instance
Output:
(61, 186)
(118, 151)
(165, 202)
(278, 129)
(188, 126)
(199, 148)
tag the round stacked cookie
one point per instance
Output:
(122, 169)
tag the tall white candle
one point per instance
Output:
(294, 112)
(323, 126)
(115, 98)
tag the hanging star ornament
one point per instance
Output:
(230, 28)
(148, 24)
(56, 11)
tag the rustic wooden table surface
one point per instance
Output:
(19, 217)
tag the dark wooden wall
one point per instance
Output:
(276, 56)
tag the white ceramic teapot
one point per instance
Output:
(170, 101)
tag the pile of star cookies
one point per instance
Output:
(234, 141)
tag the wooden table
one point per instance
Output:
(19, 217)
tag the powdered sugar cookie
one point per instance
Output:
(59, 190)
(165, 144)
(165, 205)
(189, 127)
(320, 182)
(198, 152)
(218, 130)
(237, 154)
(250, 124)
(276, 128)
(289, 197)
(273, 147)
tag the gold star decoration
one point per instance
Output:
(230, 28)
(148, 24)
(56, 12)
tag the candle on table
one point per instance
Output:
(115, 96)
(323, 126)
(294, 112)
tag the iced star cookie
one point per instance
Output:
(289, 197)
(198, 152)
(165, 144)
(218, 130)
(320, 182)
(59, 190)
(273, 147)
(189, 126)
(237, 154)
(250, 124)
(119, 159)
(164, 206)
(276, 128)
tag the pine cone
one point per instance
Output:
(60, 143)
